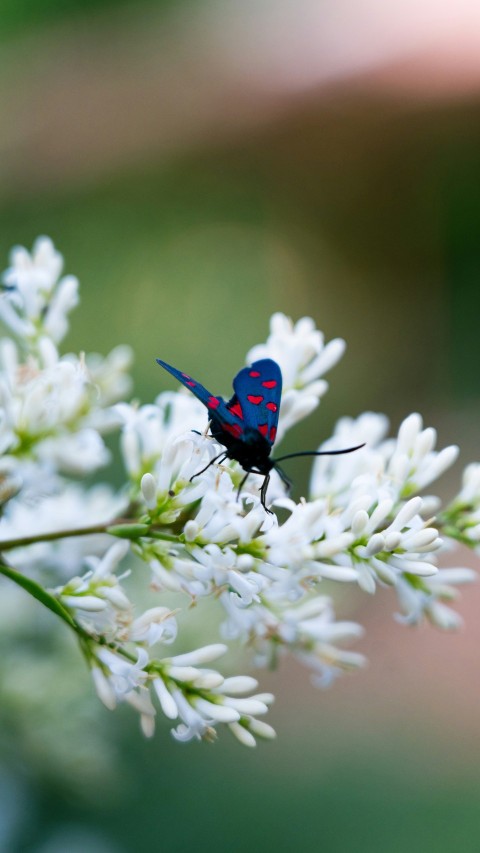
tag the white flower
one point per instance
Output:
(247, 586)
(470, 491)
(99, 590)
(36, 302)
(169, 460)
(34, 274)
(167, 702)
(414, 462)
(328, 663)
(299, 350)
(141, 700)
(194, 725)
(117, 679)
(393, 469)
(384, 550)
(312, 634)
(155, 625)
(246, 623)
(82, 452)
(315, 619)
(183, 457)
(462, 516)
(51, 412)
(300, 544)
(290, 543)
(336, 476)
(220, 517)
(245, 732)
(64, 299)
(105, 691)
(148, 429)
(303, 357)
(51, 398)
(123, 675)
(426, 599)
(109, 373)
(204, 654)
(149, 490)
(202, 698)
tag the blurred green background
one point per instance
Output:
(195, 190)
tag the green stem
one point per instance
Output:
(158, 534)
(119, 528)
(38, 592)
(52, 603)
(50, 537)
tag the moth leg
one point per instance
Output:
(244, 480)
(263, 493)
(285, 480)
(215, 459)
(205, 431)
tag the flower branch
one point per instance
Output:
(369, 519)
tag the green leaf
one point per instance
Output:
(41, 594)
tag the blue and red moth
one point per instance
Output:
(246, 425)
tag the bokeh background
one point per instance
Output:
(202, 165)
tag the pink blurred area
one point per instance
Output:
(420, 684)
(422, 49)
(92, 95)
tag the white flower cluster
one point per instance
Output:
(304, 358)
(54, 409)
(198, 697)
(365, 521)
(38, 301)
(396, 538)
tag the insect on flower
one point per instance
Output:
(246, 425)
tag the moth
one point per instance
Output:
(246, 425)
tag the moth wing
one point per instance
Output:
(256, 401)
(217, 407)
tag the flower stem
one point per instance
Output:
(52, 603)
(119, 527)
(50, 537)
(40, 594)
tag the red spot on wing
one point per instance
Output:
(236, 409)
(213, 402)
(252, 398)
(269, 383)
(263, 428)
(272, 406)
(273, 433)
(234, 429)
(254, 373)
(191, 383)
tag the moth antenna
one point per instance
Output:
(286, 481)
(318, 453)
